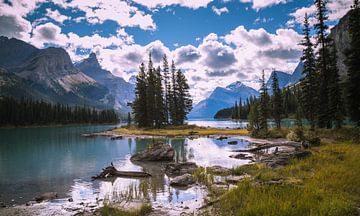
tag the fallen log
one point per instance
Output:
(270, 145)
(111, 172)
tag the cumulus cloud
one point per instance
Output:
(259, 4)
(98, 11)
(219, 11)
(193, 4)
(337, 9)
(217, 55)
(186, 54)
(56, 16)
(13, 26)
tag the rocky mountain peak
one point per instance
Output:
(91, 62)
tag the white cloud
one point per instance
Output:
(219, 11)
(98, 11)
(56, 16)
(337, 9)
(260, 4)
(193, 4)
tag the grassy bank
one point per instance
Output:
(326, 183)
(177, 131)
(109, 211)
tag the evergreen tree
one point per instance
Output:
(139, 105)
(236, 110)
(173, 94)
(254, 117)
(335, 102)
(240, 109)
(129, 120)
(150, 93)
(322, 64)
(353, 64)
(263, 105)
(276, 101)
(167, 88)
(309, 83)
(159, 115)
(184, 102)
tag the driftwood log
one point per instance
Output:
(270, 145)
(111, 172)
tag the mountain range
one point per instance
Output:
(49, 75)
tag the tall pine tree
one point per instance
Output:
(139, 105)
(167, 87)
(173, 95)
(353, 64)
(322, 64)
(159, 115)
(276, 101)
(309, 83)
(184, 102)
(264, 104)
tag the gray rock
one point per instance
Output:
(218, 169)
(241, 156)
(159, 152)
(46, 196)
(236, 179)
(233, 142)
(180, 168)
(182, 181)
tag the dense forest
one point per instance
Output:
(161, 96)
(28, 112)
(321, 96)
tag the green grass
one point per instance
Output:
(326, 183)
(109, 211)
(179, 131)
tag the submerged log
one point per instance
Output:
(111, 172)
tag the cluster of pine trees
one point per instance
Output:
(28, 112)
(318, 97)
(161, 95)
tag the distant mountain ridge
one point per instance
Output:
(49, 75)
(221, 98)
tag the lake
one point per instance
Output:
(38, 160)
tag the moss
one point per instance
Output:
(109, 211)
(326, 183)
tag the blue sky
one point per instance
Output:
(215, 42)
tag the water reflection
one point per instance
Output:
(39, 160)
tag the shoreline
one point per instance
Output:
(173, 132)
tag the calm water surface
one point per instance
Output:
(39, 160)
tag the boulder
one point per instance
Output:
(182, 181)
(46, 196)
(233, 142)
(222, 138)
(180, 168)
(159, 152)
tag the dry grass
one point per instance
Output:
(180, 131)
(326, 183)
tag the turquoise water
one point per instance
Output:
(38, 160)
